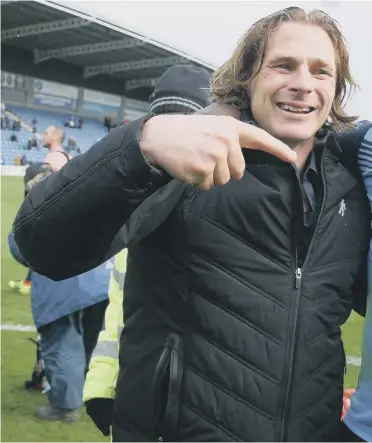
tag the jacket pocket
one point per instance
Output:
(167, 386)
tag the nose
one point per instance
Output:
(301, 81)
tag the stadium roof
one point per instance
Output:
(48, 34)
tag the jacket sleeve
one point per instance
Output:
(68, 222)
(104, 365)
(363, 280)
(14, 250)
(350, 143)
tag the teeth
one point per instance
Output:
(293, 109)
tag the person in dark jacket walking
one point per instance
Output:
(247, 244)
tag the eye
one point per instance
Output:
(284, 66)
(321, 71)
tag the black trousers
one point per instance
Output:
(93, 317)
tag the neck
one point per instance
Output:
(55, 147)
(302, 150)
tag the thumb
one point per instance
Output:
(251, 137)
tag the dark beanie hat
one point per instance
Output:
(182, 88)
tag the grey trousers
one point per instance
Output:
(62, 348)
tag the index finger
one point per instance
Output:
(251, 137)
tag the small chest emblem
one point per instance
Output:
(342, 208)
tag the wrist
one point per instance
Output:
(145, 140)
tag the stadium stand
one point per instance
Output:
(56, 66)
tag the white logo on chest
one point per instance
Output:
(342, 208)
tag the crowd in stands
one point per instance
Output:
(22, 128)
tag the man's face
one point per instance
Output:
(48, 136)
(292, 95)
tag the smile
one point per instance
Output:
(295, 109)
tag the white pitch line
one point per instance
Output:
(353, 361)
(19, 328)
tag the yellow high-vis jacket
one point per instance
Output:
(104, 365)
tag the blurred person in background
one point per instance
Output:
(68, 315)
(242, 263)
(32, 142)
(358, 403)
(181, 89)
(57, 157)
(71, 144)
(58, 310)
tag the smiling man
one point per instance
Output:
(281, 108)
(234, 294)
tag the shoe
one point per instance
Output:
(49, 412)
(23, 287)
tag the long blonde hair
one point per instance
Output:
(231, 81)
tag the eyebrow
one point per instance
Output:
(287, 58)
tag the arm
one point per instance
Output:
(100, 382)
(350, 143)
(365, 167)
(67, 222)
(14, 250)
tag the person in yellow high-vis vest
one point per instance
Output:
(181, 89)
(99, 388)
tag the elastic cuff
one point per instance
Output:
(144, 173)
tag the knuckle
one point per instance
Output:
(200, 169)
(237, 173)
(205, 185)
(237, 168)
(224, 180)
(225, 135)
(212, 148)
(197, 169)
(218, 153)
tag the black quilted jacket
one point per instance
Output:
(225, 338)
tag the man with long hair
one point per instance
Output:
(247, 244)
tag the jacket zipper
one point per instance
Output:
(161, 366)
(297, 284)
(171, 357)
(298, 278)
